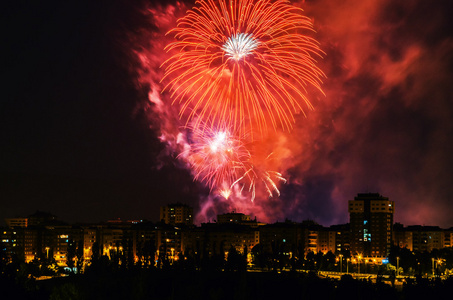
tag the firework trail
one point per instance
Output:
(242, 63)
(260, 174)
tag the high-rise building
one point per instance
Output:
(371, 221)
(177, 214)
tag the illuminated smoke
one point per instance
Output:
(233, 143)
(236, 75)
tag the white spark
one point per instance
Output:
(240, 45)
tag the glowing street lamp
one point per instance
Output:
(438, 263)
(365, 266)
(347, 266)
(172, 254)
(397, 265)
(359, 257)
(433, 265)
(341, 263)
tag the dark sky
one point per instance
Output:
(73, 141)
(76, 141)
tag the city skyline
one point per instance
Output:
(370, 235)
(77, 140)
(189, 213)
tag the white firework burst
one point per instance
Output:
(240, 45)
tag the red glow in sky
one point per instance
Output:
(87, 134)
(382, 126)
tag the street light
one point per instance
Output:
(397, 266)
(438, 263)
(359, 257)
(433, 265)
(347, 266)
(172, 254)
(365, 266)
(341, 263)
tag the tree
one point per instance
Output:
(258, 256)
(329, 261)
(235, 261)
(80, 257)
(310, 260)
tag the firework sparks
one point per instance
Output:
(258, 174)
(225, 193)
(242, 64)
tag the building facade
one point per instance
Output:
(177, 214)
(371, 221)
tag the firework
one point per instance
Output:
(256, 175)
(217, 157)
(243, 64)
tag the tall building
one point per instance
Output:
(342, 237)
(177, 214)
(326, 240)
(371, 221)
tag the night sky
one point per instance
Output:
(78, 138)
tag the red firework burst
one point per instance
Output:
(244, 64)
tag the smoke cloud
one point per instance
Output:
(384, 124)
